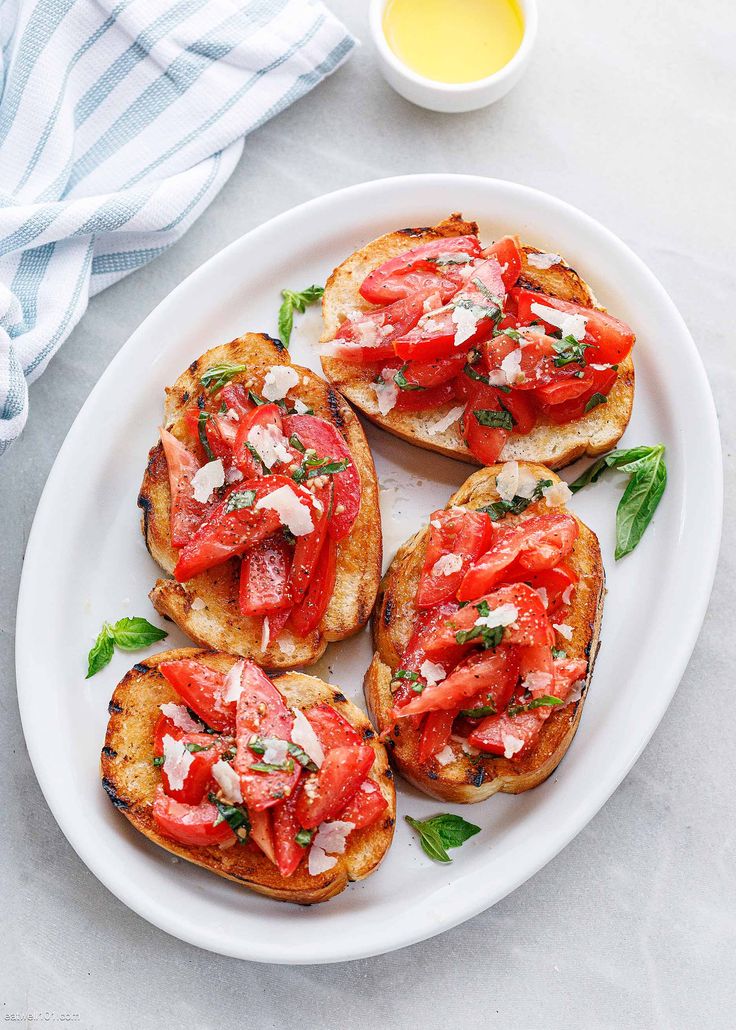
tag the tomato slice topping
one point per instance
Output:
(427, 374)
(327, 441)
(485, 442)
(462, 534)
(307, 615)
(225, 534)
(288, 853)
(538, 542)
(601, 383)
(261, 832)
(267, 417)
(309, 547)
(332, 728)
(201, 689)
(419, 268)
(326, 792)
(530, 626)
(262, 714)
(189, 824)
(236, 399)
(422, 400)
(221, 433)
(611, 339)
(369, 336)
(186, 512)
(199, 773)
(506, 252)
(492, 673)
(436, 732)
(264, 577)
(555, 582)
(366, 806)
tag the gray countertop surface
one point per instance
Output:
(626, 111)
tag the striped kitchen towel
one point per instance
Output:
(119, 122)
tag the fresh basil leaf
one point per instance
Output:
(101, 652)
(304, 838)
(595, 400)
(234, 815)
(456, 258)
(639, 502)
(268, 767)
(540, 702)
(202, 431)
(302, 757)
(478, 713)
(558, 653)
(402, 382)
(295, 301)
(158, 760)
(495, 301)
(404, 674)
(494, 419)
(569, 351)
(296, 443)
(136, 633)
(440, 832)
(239, 499)
(500, 509)
(220, 375)
(258, 458)
(256, 398)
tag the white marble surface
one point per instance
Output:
(627, 111)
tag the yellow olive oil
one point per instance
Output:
(454, 40)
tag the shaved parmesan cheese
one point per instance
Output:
(466, 320)
(569, 325)
(279, 380)
(507, 481)
(181, 718)
(543, 260)
(567, 595)
(233, 475)
(558, 493)
(447, 564)
(269, 443)
(198, 604)
(511, 745)
(295, 515)
(386, 395)
(446, 755)
(286, 644)
(319, 862)
(331, 837)
(303, 736)
(577, 692)
(444, 423)
(504, 615)
(300, 407)
(601, 368)
(469, 750)
(431, 672)
(206, 479)
(233, 686)
(276, 751)
(265, 633)
(527, 483)
(538, 683)
(177, 761)
(563, 629)
(543, 594)
(511, 367)
(228, 781)
(233, 415)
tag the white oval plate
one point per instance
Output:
(86, 562)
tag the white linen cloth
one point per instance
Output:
(119, 123)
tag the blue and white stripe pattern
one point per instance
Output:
(119, 122)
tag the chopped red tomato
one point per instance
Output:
(423, 400)
(427, 626)
(326, 792)
(221, 433)
(366, 806)
(264, 577)
(308, 547)
(276, 622)
(426, 374)
(266, 417)
(235, 398)
(530, 625)
(522, 409)
(506, 252)
(420, 268)
(186, 512)
(261, 832)
(307, 615)
(485, 442)
(601, 383)
(194, 825)
(612, 339)
(369, 336)
(225, 534)
(436, 731)
(332, 729)
(492, 673)
(288, 852)
(325, 439)
(556, 582)
(453, 533)
(205, 751)
(201, 689)
(435, 334)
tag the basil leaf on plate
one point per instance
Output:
(136, 633)
(101, 652)
(440, 832)
(295, 301)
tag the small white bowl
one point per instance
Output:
(450, 97)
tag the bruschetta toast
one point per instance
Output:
(261, 501)
(486, 631)
(482, 354)
(280, 785)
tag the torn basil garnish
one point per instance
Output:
(402, 382)
(540, 702)
(240, 499)
(595, 400)
(304, 838)
(220, 375)
(202, 433)
(494, 419)
(569, 351)
(440, 832)
(234, 815)
(499, 509)
(490, 636)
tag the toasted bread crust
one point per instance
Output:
(467, 780)
(130, 780)
(549, 444)
(220, 625)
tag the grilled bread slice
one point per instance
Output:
(130, 780)
(470, 779)
(219, 623)
(549, 444)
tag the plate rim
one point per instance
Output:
(591, 802)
